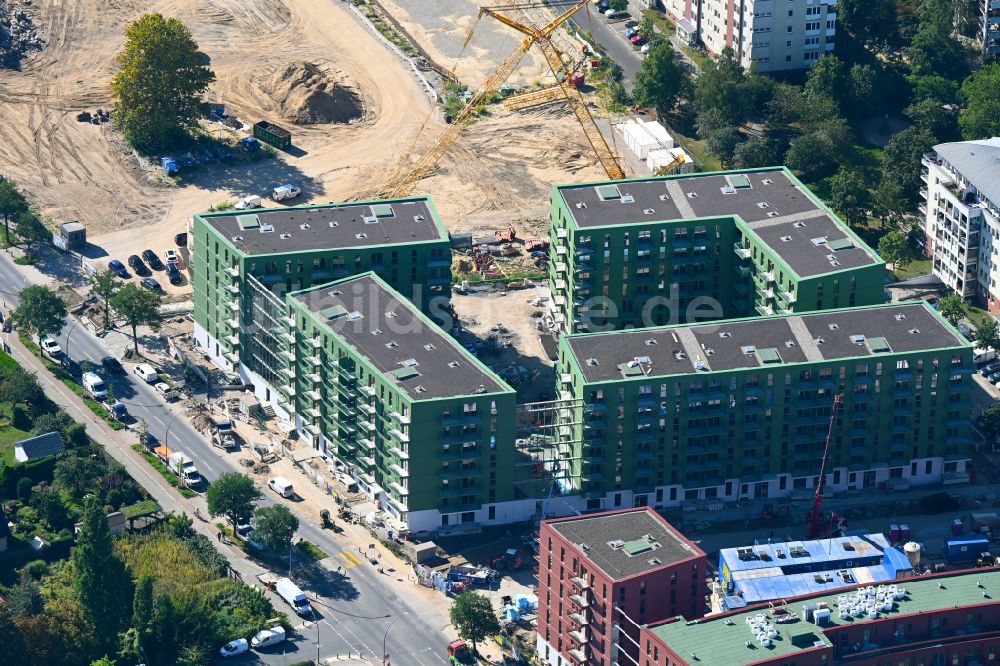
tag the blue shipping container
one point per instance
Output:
(965, 550)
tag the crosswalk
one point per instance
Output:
(350, 559)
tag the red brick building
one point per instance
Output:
(602, 576)
(952, 619)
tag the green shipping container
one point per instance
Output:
(270, 133)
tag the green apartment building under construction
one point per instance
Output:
(243, 262)
(657, 251)
(740, 409)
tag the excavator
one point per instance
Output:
(406, 177)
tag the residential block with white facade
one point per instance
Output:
(962, 218)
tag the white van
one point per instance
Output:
(282, 486)
(145, 372)
(95, 386)
(295, 597)
(980, 356)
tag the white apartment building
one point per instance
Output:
(989, 28)
(767, 35)
(962, 218)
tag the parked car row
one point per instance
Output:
(139, 266)
(189, 160)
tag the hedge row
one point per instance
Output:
(37, 470)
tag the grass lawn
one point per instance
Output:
(700, 59)
(662, 23)
(978, 317)
(8, 435)
(310, 550)
(913, 269)
(700, 152)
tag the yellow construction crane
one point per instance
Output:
(407, 176)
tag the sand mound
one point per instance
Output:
(305, 93)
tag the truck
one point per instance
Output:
(295, 597)
(270, 133)
(95, 386)
(184, 468)
(223, 435)
(459, 653)
(981, 356)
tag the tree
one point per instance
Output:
(41, 312)
(138, 307)
(22, 387)
(807, 155)
(51, 422)
(24, 485)
(987, 336)
(51, 509)
(786, 106)
(104, 285)
(25, 598)
(723, 142)
(862, 80)
(473, 616)
(889, 202)
(933, 51)
(31, 229)
(753, 154)
(12, 204)
(274, 525)
(10, 635)
(719, 86)
(161, 78)
(826, 79)
(849, 196)
(233, 495)
(930, 115)
(951, 308)
(901, 162)
(618, 5)
(100, 581)
(103, 661)
(894, 249)
(988, 423)
(661, 80)
(77, 475)
(981, 117)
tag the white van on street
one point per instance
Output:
(282, 486)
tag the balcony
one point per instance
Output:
(399, 436)
(579, 600)
(232, 271)
(579, 654)
(578, 636)
(580, 582)
(741, 252)
(579, 618)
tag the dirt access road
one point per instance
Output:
(502, 168)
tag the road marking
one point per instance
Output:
(349, 559)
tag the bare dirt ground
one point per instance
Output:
(501, 170)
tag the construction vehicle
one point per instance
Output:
(668, 168)
(817, 524)
(407, 176)
(459, 653)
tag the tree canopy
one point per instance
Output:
(894, 249)
(849, 196)
(661, 80)
(161, 79)
(274, 525)
(951, 308)
(981, 117)
(138, 307)
(41, 312)
(473, 617)
(104, 285)
(233, 495)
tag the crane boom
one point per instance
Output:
(407, 176)
(815, 518)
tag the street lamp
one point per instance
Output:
(385, 655)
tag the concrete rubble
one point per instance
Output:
(18, 35)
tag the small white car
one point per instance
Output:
(169, 255)
(268, 637)
(247, 202)
(287, 191)
(51, 347)
(164, 389)
(233, 648)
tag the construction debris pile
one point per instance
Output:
(306, 93)
(17, 33)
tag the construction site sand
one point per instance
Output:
(441, 27)
(501, 169)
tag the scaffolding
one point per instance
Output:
(545, 448)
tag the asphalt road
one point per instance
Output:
(609, 36)
(356, 606)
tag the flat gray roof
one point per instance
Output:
(783, 214)
(626, 543)
(387, 329)
(760, 343)
(330, 226)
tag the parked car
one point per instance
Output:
(111, 364)
(250, 144)
(72, 367)
(119, 412)
(151, 283)
(287, 191)
(145, 372)
(119, 268)
(223, 152)
(268, 637)
(988, 370)
(173, 273)
(181, 240)
(164, 390)
(137, 265)
(169, 255)
(188, 161)
(245, 531)
(233, 648)
(249, 201)
(994, 378)
(611, 14)
(51, 347)
(153, 260)
(169, 165)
